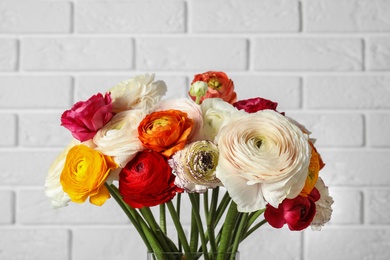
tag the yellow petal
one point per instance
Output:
(101, 197)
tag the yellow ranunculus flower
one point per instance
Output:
(84, 174)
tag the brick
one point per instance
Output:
(7, 207)
(356, 167)
(348, 92)
(378, 54)
(35, 17)
(8, 54)
(141, 17)
(77, 53)
(35, 91)
(333, 130)
(34, 244)
(289, 249)
(33, 207)
(378, 207)
(284, 90)
(8, 126)
(378, 129)
(347, 206)
(86, 86)
(31, 134)
(308, 54)
(173, 53)
(23, 167)
(253, 16)
(347, 16)
(348, 243)
(111, 243)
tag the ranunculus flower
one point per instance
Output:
(219, 86)
(253, 105)
(119, 137)
(215, 112)
(165, 131)
(315, 166)
(84, 174)
(85, 118)
(195, 166)
(323, 206)
(147, 181)
(139, 92)
(185, 105)
(263, 157)
(297, 213)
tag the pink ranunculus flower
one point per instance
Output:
(85, 118)
(253, 105)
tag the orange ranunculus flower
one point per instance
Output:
(84, 174)
(165, 131)
(316, 164)
(219, 86)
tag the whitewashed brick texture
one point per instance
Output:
(326, 63)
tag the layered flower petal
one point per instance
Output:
(324, 206)
(195, 165)
(85, 118)
(267, 151)
(119, 138)
(215, 112)
(84, 174)
(165, 131)
(139, 92)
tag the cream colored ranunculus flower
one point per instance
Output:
(119, 137)
(53, 188)
(139, 92)
(215, 112)
(194, 166)
(323, 206)
(264, 158)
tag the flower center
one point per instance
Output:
(214, 83)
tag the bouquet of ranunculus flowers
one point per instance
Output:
(143, 151)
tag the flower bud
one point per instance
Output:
(198, 89)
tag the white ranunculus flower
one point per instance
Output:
(215, 112)
(139, 92)
(264, 158)
(53, 189)
(119, 137)
(188, 106)
(323, 206)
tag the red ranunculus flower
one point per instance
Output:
(253, 105)
(298, 213)
(219, 86)
(85, 118)
(147, 181)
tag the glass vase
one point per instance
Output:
(192, 256)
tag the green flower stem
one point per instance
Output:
(239, 234)
(228, 226)
(253, 217)
(163, 219)
(253, 229)
(211, 219)
(179, 228)
(222, 207)
(146, 236)
(195, 203)
(178, 208)
(194, 235)
(155, 228)
(206, 204)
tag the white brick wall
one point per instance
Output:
(326, 62)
